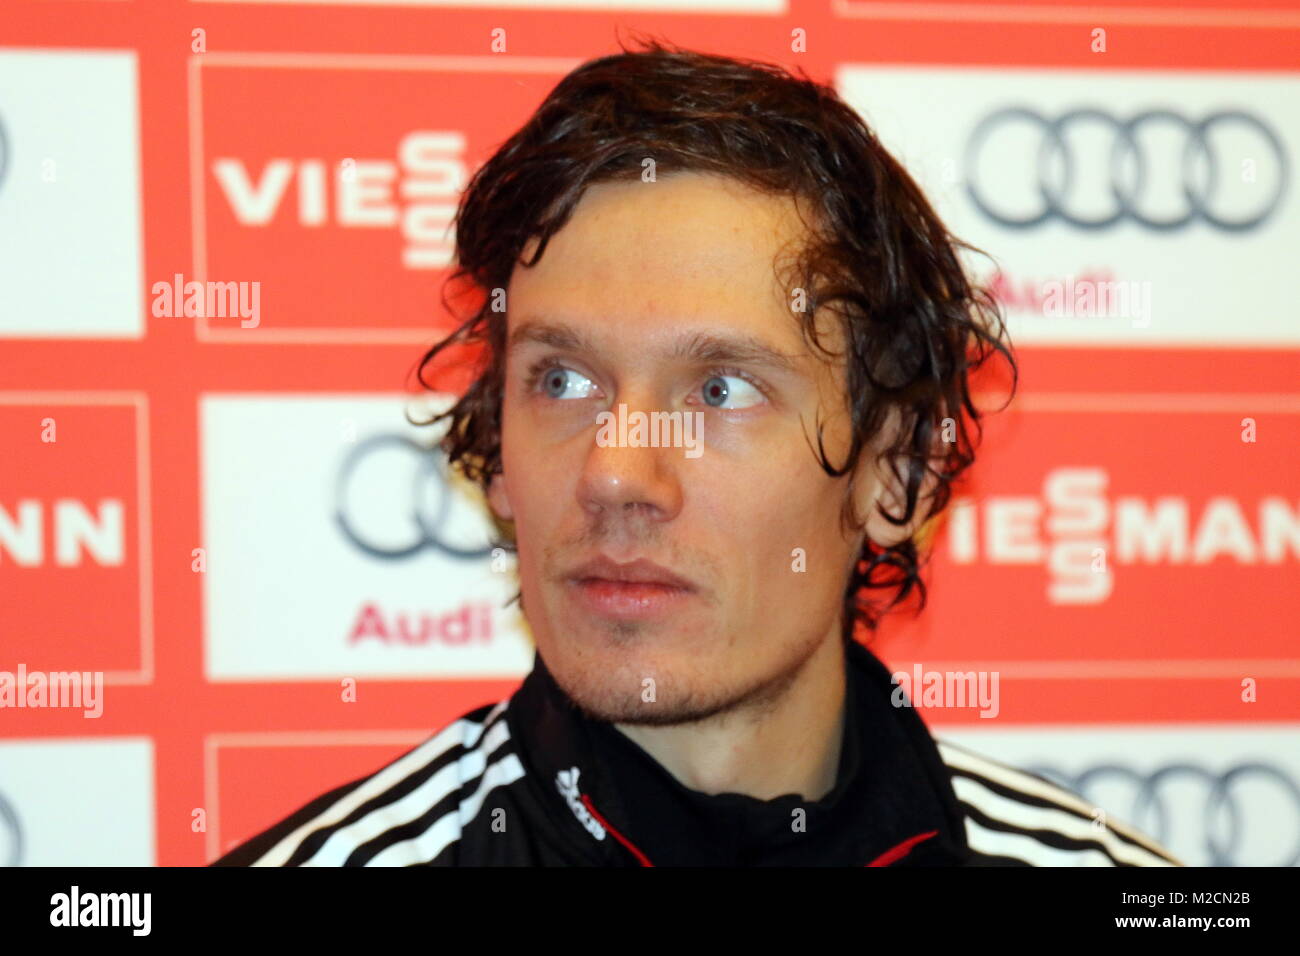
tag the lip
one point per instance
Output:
(637, 589)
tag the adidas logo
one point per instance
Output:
(566, 781)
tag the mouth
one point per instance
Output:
(639, 589)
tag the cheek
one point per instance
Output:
(517, 472)
(799, 520)
(536, 477)
(760, 524)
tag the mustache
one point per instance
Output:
(605, 542)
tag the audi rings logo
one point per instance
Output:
(407, 505)
(1248, 809)
(1131, 172)
(11, 834)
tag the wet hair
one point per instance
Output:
(876, 258)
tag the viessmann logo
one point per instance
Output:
(73, 520)
(413, 192)
(1081, 532)
(333, 180)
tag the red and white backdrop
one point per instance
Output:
(228, 518)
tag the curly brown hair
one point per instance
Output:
(879, 258)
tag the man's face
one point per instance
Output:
(662, 297)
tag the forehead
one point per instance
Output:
(691, 250)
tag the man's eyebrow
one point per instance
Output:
(560, 337)
(739, 349)
(704, 347)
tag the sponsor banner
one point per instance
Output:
(736, 7)
(1214, 795)
(70, 254)
(336, 545)
(1095, 522)
(341, 212)
(1121, 207)
(48, 816)
(74, 520)
(1245, 14)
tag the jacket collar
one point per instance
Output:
(892, 803)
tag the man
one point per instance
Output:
(723, 250)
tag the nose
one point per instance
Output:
(628, 483)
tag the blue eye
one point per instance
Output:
(721, 389)
(557, 380)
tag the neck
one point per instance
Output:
(787, 744)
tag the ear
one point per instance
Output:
(881, 482)
(888, 491)
(498, 498)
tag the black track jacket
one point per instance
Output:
(530, 781)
